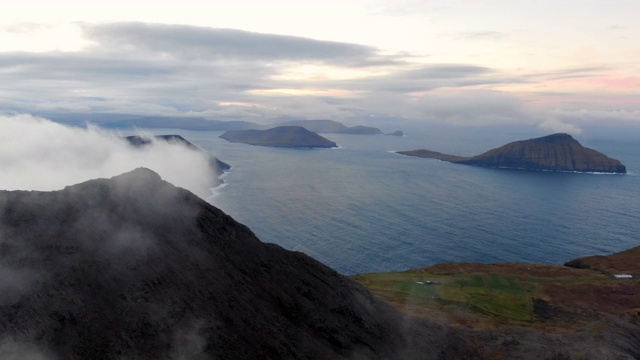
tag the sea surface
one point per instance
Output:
(363, 208)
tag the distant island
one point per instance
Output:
(557, 152)
(281, 136)
(330, 126)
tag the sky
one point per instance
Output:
(558, 65)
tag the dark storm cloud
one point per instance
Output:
(214, 44)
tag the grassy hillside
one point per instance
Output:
(554, 298)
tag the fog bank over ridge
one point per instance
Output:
(38, 154)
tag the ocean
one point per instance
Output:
(363, 208)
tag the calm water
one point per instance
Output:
(362, 208)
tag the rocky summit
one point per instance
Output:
(557, 152)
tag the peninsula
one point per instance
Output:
(557, 152)
(281, 136)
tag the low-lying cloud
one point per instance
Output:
(38, 154)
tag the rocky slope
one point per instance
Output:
(133, 267)
(557, 152)
(281, 136)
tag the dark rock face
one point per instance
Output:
(557, 152)
(133, 267)
(282, 136)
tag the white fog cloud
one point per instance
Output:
(557, 126)
(38, 154)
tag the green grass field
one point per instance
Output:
(496, 295)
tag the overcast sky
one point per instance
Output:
(555, 64)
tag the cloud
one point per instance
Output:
(158, 69)
(11, 349)
(26, 28)
(37, 154)
(425, 78)
(460, 107)
(480, 35)
(211, 44)
(555, 125)
(567, 73)
(446, 71)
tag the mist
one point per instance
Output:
(39, 154)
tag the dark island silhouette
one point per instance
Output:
(281, 136)
(133, 267)
(557, 152)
